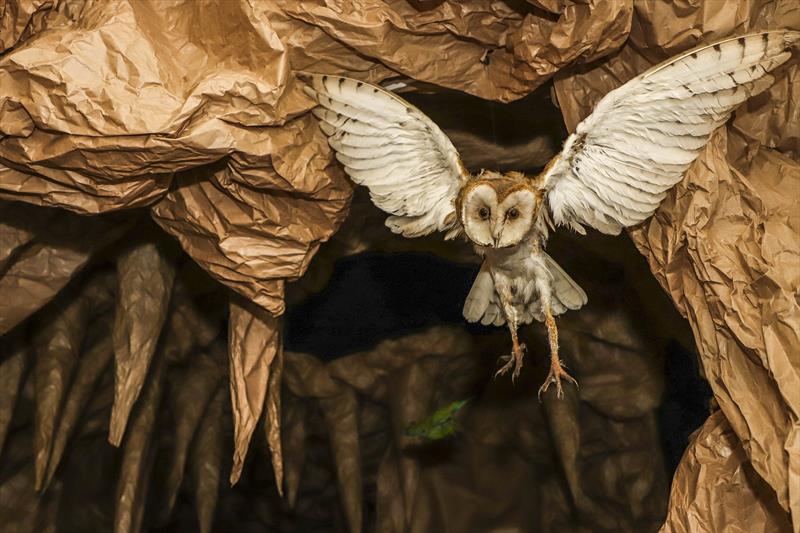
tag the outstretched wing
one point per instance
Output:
(409, 165)
(641, 137)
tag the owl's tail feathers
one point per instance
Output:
(480, 301)
(566, 293)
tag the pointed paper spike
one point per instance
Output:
(91, 367)
(13, 237)
(206, 461)
(411, 399)
(341, 417)
(294, 446)
(137, 454)
(253, 342)
(390, 515)
(191, 393)
(58, 345)
(14, 357)
(145, 275)
(272, 422)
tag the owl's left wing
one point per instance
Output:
(641, 137)
(411, 168)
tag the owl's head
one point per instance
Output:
(499, 213)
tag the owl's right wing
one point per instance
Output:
(640, 139)
(410, 167)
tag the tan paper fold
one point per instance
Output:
(716, 481)
(41, 250)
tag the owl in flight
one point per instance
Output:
(612, 173)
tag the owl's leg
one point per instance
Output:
(556, 370)
(518, 349)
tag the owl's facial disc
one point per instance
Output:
(479, 210)
(515, 218)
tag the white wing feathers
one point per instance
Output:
(641, 137)
(408, 164)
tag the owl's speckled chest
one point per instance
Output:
(516, 270)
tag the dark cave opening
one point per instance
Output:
(375, 296)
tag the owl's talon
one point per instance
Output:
(513, 361)
(509, 359)
(554, 376)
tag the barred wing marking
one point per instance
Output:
(408, 164)
(640, 139)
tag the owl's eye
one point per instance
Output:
(513, 213)
(483, 213)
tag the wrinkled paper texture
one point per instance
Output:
(725, 243)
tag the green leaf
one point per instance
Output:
(440, 424)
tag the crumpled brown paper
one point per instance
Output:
(503, 454)
(272, 420)
(716, 460)
(293, 436)
(40, 251)
(94, 135)
(488, 50)
(241, 227)
(20, 20)
(724, 243)
(91, 136)
(307, 377)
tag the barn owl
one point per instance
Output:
(612, 173)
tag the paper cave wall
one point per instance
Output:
(185, 272)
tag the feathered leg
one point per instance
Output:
(518, 349)
(556, 370)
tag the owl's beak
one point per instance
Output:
(497, 232)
